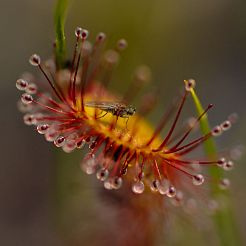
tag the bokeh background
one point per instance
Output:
(198, 39)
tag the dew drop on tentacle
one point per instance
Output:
(42, 128)
(31, 88)
(138, 187)
(60, 141)
(102, 174)
(69, 145)
(190, 84)
(117, 183)
(93, 145)
(80, 144)
(21, 84)
(51, 134)
(221, 162)
(163, 186)
(88, 169)
(154, 185)
(35, 60)
(108, 184)
(171, 192)
(226, 125)
(26, 98)
(84, 34)
(78, 32)
(229, 165)
(123, 171)
(100, 37)
(121, 44)
(198, 179)
(88, 139)
(224, 183)
(111, 57)
(29, 119)
(217, 131)
(88, 164)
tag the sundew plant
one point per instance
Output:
(70, 103)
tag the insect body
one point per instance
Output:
(114, 108)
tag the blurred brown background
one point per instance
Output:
(198, 39)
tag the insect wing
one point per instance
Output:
(116, 108)
(105, 106)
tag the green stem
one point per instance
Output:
(60, 17)
(224, 219)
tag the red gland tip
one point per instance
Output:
(101, 37)
(84, 34)
(78, 32)
(21, 84)
(35, 60)
(190, 84)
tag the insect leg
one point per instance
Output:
(127, 122)
(102, 115)
(100, 112)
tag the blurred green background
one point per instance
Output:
(204, 40)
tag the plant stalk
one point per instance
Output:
(60, 42)
(223, 218)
